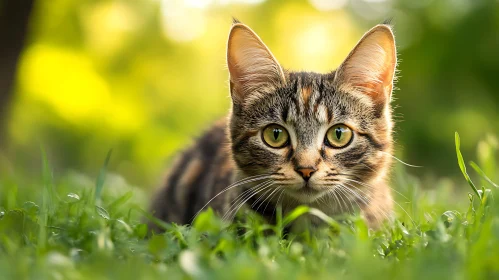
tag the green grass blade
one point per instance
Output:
(278, 227)
(99, 184)
(47, 202)
(297, 212)
(325, 218)
(462, 165)
(481, 173)
(158, 222)
(102, 212)
(48, 189)
(120, 201)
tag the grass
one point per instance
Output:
(76, 229)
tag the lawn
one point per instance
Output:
(71, 227)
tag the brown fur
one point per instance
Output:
(305, 94)
(305, 104)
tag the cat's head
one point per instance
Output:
(312, 132)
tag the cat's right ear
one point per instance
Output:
(370, 67)
(254, 71)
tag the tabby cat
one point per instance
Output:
(293, 138)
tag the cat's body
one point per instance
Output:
(291, 138)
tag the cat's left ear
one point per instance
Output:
(253, 69)
(369, 69)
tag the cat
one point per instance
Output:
(293, 138)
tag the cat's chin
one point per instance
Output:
(305, 195)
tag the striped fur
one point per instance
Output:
(306, 104)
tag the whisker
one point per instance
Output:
(399, 160)
(328, 197)
(242, 196)
(414, 223)
(358, 196)
(333, 192)
(342, 197)
(342, 191)
(331, 180)
(269, 197)
(366, 201)
(277, 204)
(368, 167)
(366, 185)
(323, 201)
(266, 185)
(253, 177)
(363, 197)
(233, 185)
(259, 198)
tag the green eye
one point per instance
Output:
(275, 136)
(338, 136)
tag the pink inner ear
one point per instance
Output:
(369, 69)
(251, 65)
(388, 73)
(382, 85)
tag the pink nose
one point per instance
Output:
(305, 172)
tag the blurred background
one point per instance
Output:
(78, 78)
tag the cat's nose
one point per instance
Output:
(305, 172)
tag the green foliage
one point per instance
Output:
(99, 184)
(70, 237)
(462, 165)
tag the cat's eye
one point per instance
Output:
(275, 136)
(339, 136)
